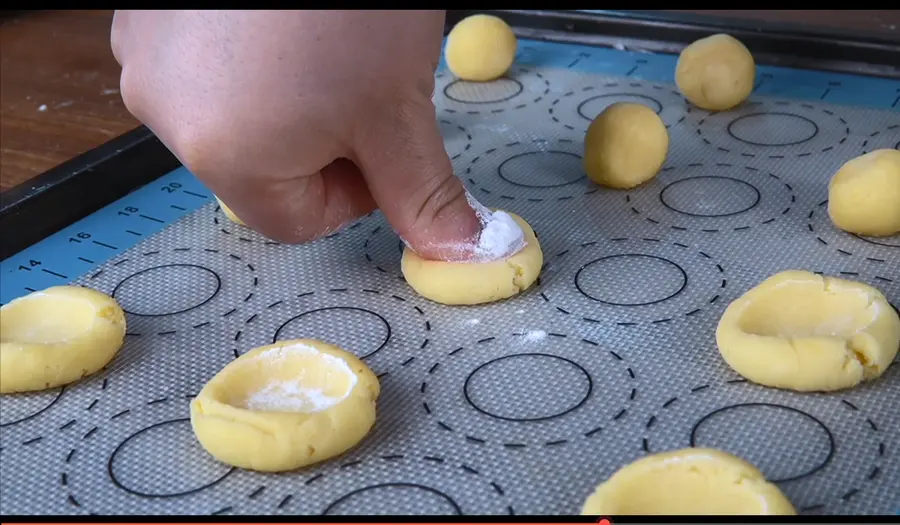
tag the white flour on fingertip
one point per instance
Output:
(500, 238)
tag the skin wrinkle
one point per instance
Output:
(251, 105)
(439, 192)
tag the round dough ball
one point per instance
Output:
(228, 213)
(625, 146)
(716, 72)
(455, 283)
(285, 406)
(801, 331)
(692, 481)
(864, 194)
(480, 48)
(57, 336)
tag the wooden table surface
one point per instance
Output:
(59, 82)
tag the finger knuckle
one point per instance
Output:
(436, 195)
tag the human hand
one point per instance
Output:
(302, 121)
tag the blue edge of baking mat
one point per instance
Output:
(117, 227)
(89, 242)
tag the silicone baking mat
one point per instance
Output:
(519, 407)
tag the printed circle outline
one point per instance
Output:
(876, 243)
(831, 444)
(172, 265)
(531, 186)
(779, 113)
(39, 412)
(457, 509)
(658, 110)
(384, 321)
(684, 279)
(521, 89)
(112, 475)
(581, 403)
(756, 201)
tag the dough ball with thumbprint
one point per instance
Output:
(285, 406)
(57, 336)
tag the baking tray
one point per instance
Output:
(621, 374)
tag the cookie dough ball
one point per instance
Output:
(57, 336)
(228, 213)
(285, 406)
(466, 283)
(480, 48)
(693, 481)
(625, 146)
(716, 73)
(864, 194)
(801, 331)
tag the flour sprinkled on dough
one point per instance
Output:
(500, 236)
(292, 395)
(280, 353)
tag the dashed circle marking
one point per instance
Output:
(578, 107)
(519, 89)
(32, 419)
(713, 198)
(761, 130)
(539, 171)
(528, 390)
(398, 484)
(384, 329)
(633, 300)
(150, 308)
(383, 249)
(823, 428)
(875, 250)
(883, 139)
(457, 139)
(140, 458)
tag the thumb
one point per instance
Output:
(411, 178)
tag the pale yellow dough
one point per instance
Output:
(455, 283)
(480, 48)
(57, 336)
(800, 331)
(228, 213)
(716, 73)
(864, 194)
(285, 406)
(696, 481)
(625, 146)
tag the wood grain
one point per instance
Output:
(59, 90)
(59, 81)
